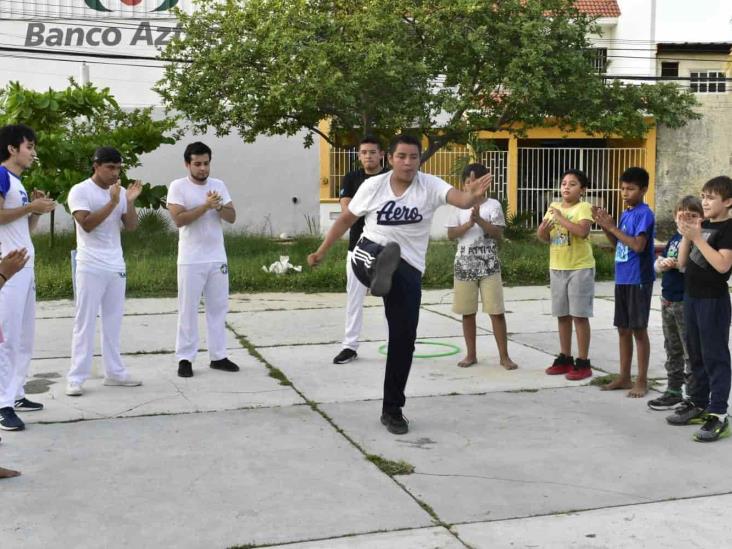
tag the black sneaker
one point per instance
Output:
(384, 266)
(713, 429)
(666, 401)
(395, 423)
(224, 364)
(9, 421)
(345, 356)
(687, 413)
(185, 368)
(25, 405)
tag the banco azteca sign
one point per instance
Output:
(107, 34)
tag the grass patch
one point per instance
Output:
(604, 380)
(151, 254)
(390, 467)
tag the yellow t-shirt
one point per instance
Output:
(568, 252)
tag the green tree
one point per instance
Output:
(70, 124)
(443, 68)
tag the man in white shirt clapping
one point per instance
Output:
(198, 204)
(101, 208)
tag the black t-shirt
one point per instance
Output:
(703, 280)
(351, 182)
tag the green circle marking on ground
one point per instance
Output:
(451, 349)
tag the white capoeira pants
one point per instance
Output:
(18, 320)
(98, 291)
(355, 295)
(212, 281)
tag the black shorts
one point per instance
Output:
(633, 305)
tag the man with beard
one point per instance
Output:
(197, 204)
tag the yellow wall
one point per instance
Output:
(551, 133)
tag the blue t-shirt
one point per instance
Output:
(672, 282)
(630, 267)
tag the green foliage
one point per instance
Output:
(444, 68)
(391, 467)
(70, 124)
(151, 263)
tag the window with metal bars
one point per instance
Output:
(708, 82)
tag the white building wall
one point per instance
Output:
(264, 177)
(631, 39)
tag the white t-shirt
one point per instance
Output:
(477, 254)
(16, 234)
(100, 248)
(403, 219)
(203, 240)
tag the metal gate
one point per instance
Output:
(540, 170)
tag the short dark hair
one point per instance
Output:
(13, 135)
(580, 175)
(196, 148)
(690, 203)
(406, 140)
(721, 185)
(107, 155)
(370, 139)
(637, 176)
(478, 169)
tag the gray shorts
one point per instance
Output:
(572, 292)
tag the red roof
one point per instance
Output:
(600, 8)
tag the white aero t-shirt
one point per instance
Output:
(16, 234)
(476, 256)
(100, 248)
(404, 219)
(203, 240)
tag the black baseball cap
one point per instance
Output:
(107, 155)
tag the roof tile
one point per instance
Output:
(600, 8)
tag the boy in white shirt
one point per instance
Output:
(100, 207)
(197, 204)
(390, 256)
(478, 269)
(18, 217)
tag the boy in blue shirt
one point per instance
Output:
(672, 311)
(634, 276)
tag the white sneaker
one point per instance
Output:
(74, 389)
(115, 382)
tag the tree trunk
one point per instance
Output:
(51, 221)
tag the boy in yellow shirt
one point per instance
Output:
(566, 227)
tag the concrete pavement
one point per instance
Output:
(282, 453)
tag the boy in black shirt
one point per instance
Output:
(706, 253)
(371, 156)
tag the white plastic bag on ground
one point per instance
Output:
(282, 266)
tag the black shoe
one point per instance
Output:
(185, 368)
(713, 429)
(345, 356)
(395, 423)
(687, 413)
(665, 402)
(9, 421)
(224, 364)
(25, 405)
(384, 266)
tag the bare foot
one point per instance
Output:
(509, 364)
(639, 390)
(8, 473)
(616, 384)
(467, 362)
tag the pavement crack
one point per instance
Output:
(180, 392)
(527, 481)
